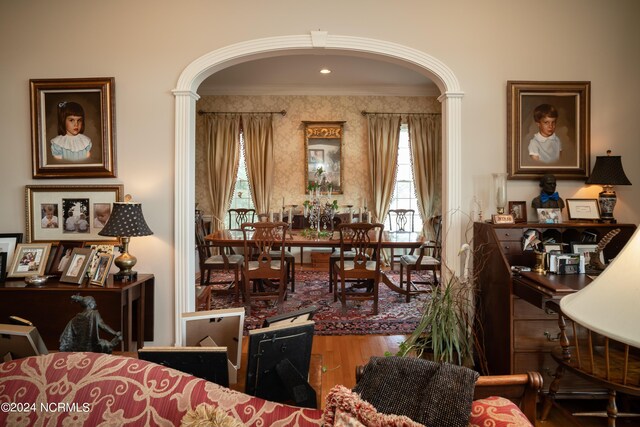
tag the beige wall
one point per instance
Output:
(146, 44)
(289, 179)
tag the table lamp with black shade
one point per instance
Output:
(608, 172)
(126, 221)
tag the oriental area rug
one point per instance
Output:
(395, 316)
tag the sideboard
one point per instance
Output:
(517, 332)
(124, 306)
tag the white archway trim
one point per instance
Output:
(186, 96)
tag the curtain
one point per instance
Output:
(384, 136)
(222, 136)
(425, 136)
(258, 146)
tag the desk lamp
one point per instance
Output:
(608, 172)
(126, 221)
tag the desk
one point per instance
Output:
(396, 240)
(517, 333)
(121, 305)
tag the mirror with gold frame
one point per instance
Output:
(323, 148)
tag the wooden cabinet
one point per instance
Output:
(517, 333)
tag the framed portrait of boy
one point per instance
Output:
(72, 127)
(548, 129)
(62, 256)
(29, 259)
(77, 266)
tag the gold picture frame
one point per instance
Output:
(571, 103)
(99, 276)
(91, 99)
(29, 259)
(323, 148)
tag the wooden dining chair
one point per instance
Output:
(210, 263)
(264, 273)
(238, 216)
(362, 271)
(427, 259)
(400, 221)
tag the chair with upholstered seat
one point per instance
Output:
(210, 262)
(363, 240)
(427, 259)
(400, 221)
(264, 273)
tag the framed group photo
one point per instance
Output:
(65, 212)
(29, 259)
(73, 127)
(548, 129)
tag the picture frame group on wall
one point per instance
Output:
(73, 127)
(548, 129)
(29, 259)
(583, 209)
(69, 212)
(323, 148)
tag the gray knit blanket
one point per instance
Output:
(433, 394)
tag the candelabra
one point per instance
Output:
(320, 211)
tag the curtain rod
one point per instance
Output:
(365, 113)
(283, 112)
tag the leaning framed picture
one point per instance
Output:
(29, 259)
(77, 266)
(548, 129)
(73, 127)
(69, 212)
(99, 276)
(518, 210)
(583, 209)
(8, 242)
(3, 266)
(549, 215)
(62, 256)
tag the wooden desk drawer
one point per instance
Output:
(509, 234)
(524, 310)
(530, 335)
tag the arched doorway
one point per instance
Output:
(186, 97)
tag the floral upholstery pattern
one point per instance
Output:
(73, 389)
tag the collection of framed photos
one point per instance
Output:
(73, 261)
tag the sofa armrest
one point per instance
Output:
(521, 389)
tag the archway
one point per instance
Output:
(186, 97)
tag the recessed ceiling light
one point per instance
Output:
(325, 71)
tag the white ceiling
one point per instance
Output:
(300, 75)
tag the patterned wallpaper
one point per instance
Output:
(289, 180)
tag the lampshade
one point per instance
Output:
(609, 305)
(608, 171)
(126, 220)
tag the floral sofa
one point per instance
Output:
(73, 389)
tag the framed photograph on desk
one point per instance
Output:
(583, 209)
(29, 259)
(77, 266)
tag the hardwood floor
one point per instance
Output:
(341, 354)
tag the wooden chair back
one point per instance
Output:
(239, 216)
(262, 240)
(401, 219)
(363, 240)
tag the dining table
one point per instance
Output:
(330, 239)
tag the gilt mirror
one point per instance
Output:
(323, 149)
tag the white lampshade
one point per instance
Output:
(610, 305)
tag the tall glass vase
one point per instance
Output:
(500, 188)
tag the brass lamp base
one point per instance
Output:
(125, 262)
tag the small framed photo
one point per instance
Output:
(548, 247)
(502, 219)
(549, 215)
(8, 242)
(548, 129)
(69, 212)
(583, 209)
(72, 128)
(62, 256)
(583, 248)
(99, 277)
(29, 259)
(98, 249)
(518, 210)
(77, 266)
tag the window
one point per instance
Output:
(241, 197)
(404, 192)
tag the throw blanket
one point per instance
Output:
(433, 394)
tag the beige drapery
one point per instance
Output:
(425, 134)
(222, 135)
(384, 136)
(257, 130)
